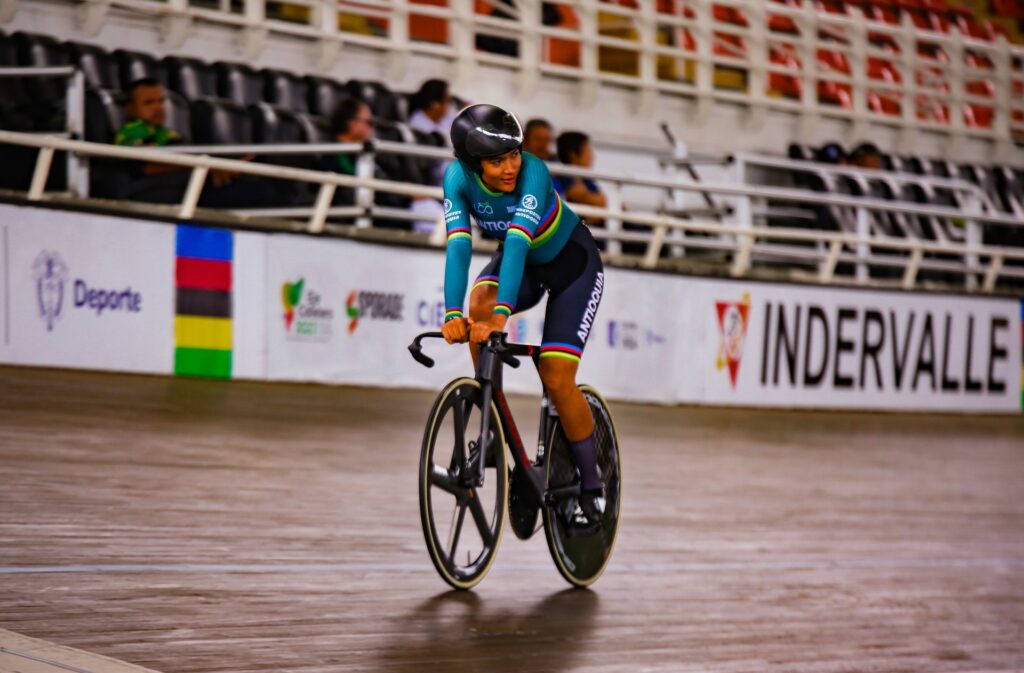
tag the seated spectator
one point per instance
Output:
(352, 122)
(574, 150)
(537, 139)
(431, 109)
(155, 182)
(832, 153)
(867, 155)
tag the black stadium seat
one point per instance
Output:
(286, 90)
(134, 65)
(277, 126)
(274, 125)
(316, 129)
(14, 99)
(324, 95)
(220, 122)
(382, 100)
(43, 51)
(98, 66)
(192, 78)
(179, 116)
(239, 83)
(398, 167)
(104, 115)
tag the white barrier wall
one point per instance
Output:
(99, 292)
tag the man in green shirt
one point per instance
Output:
(147, 113)
(165, 183)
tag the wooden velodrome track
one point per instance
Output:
(186, 525)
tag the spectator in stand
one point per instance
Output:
(155, 182)
(867, 155)
(352, 122)
(832, 153)
(432, 110)
(574, 150)
(537, 138)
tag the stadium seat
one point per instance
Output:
(192, 78)
(104, 115)
(274, 125)
(179, 116)
(220, 122)
(239, 83)
(286, 90)
(134, 65)
(324, 95)
(14, 99)
(97, 65)
(42, 51)
(382, 100)
(398, 167)
(315, 129)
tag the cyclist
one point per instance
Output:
(543, 248)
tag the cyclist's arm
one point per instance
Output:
(459, 249)
(536, 185)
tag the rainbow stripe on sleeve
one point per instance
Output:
(549, 224)
(460, 233)
(452, 313)
(521, 231)
(503, 308)
(554, 349)
(486, 280)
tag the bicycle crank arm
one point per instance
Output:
(555, 495)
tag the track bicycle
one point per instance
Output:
(465, 471)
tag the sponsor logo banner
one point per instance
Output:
(88, 291)
(826, 347)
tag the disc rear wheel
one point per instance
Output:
(581, 554)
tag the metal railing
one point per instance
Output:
(774, 55)
(980, 266)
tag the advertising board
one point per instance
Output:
(88, 291)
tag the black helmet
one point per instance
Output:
(482, 131)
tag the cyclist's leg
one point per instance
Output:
(570, 316)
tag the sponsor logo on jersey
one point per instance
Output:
(588, 315)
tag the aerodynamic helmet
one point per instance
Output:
(483, 131)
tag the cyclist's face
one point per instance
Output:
(500, 172)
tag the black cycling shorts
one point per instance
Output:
(574, 279)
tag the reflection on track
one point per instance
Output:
(549, 634)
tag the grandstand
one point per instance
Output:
(745, 92)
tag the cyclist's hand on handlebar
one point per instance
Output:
(456, 331)
(481, 331)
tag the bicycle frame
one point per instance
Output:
(491, 356)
